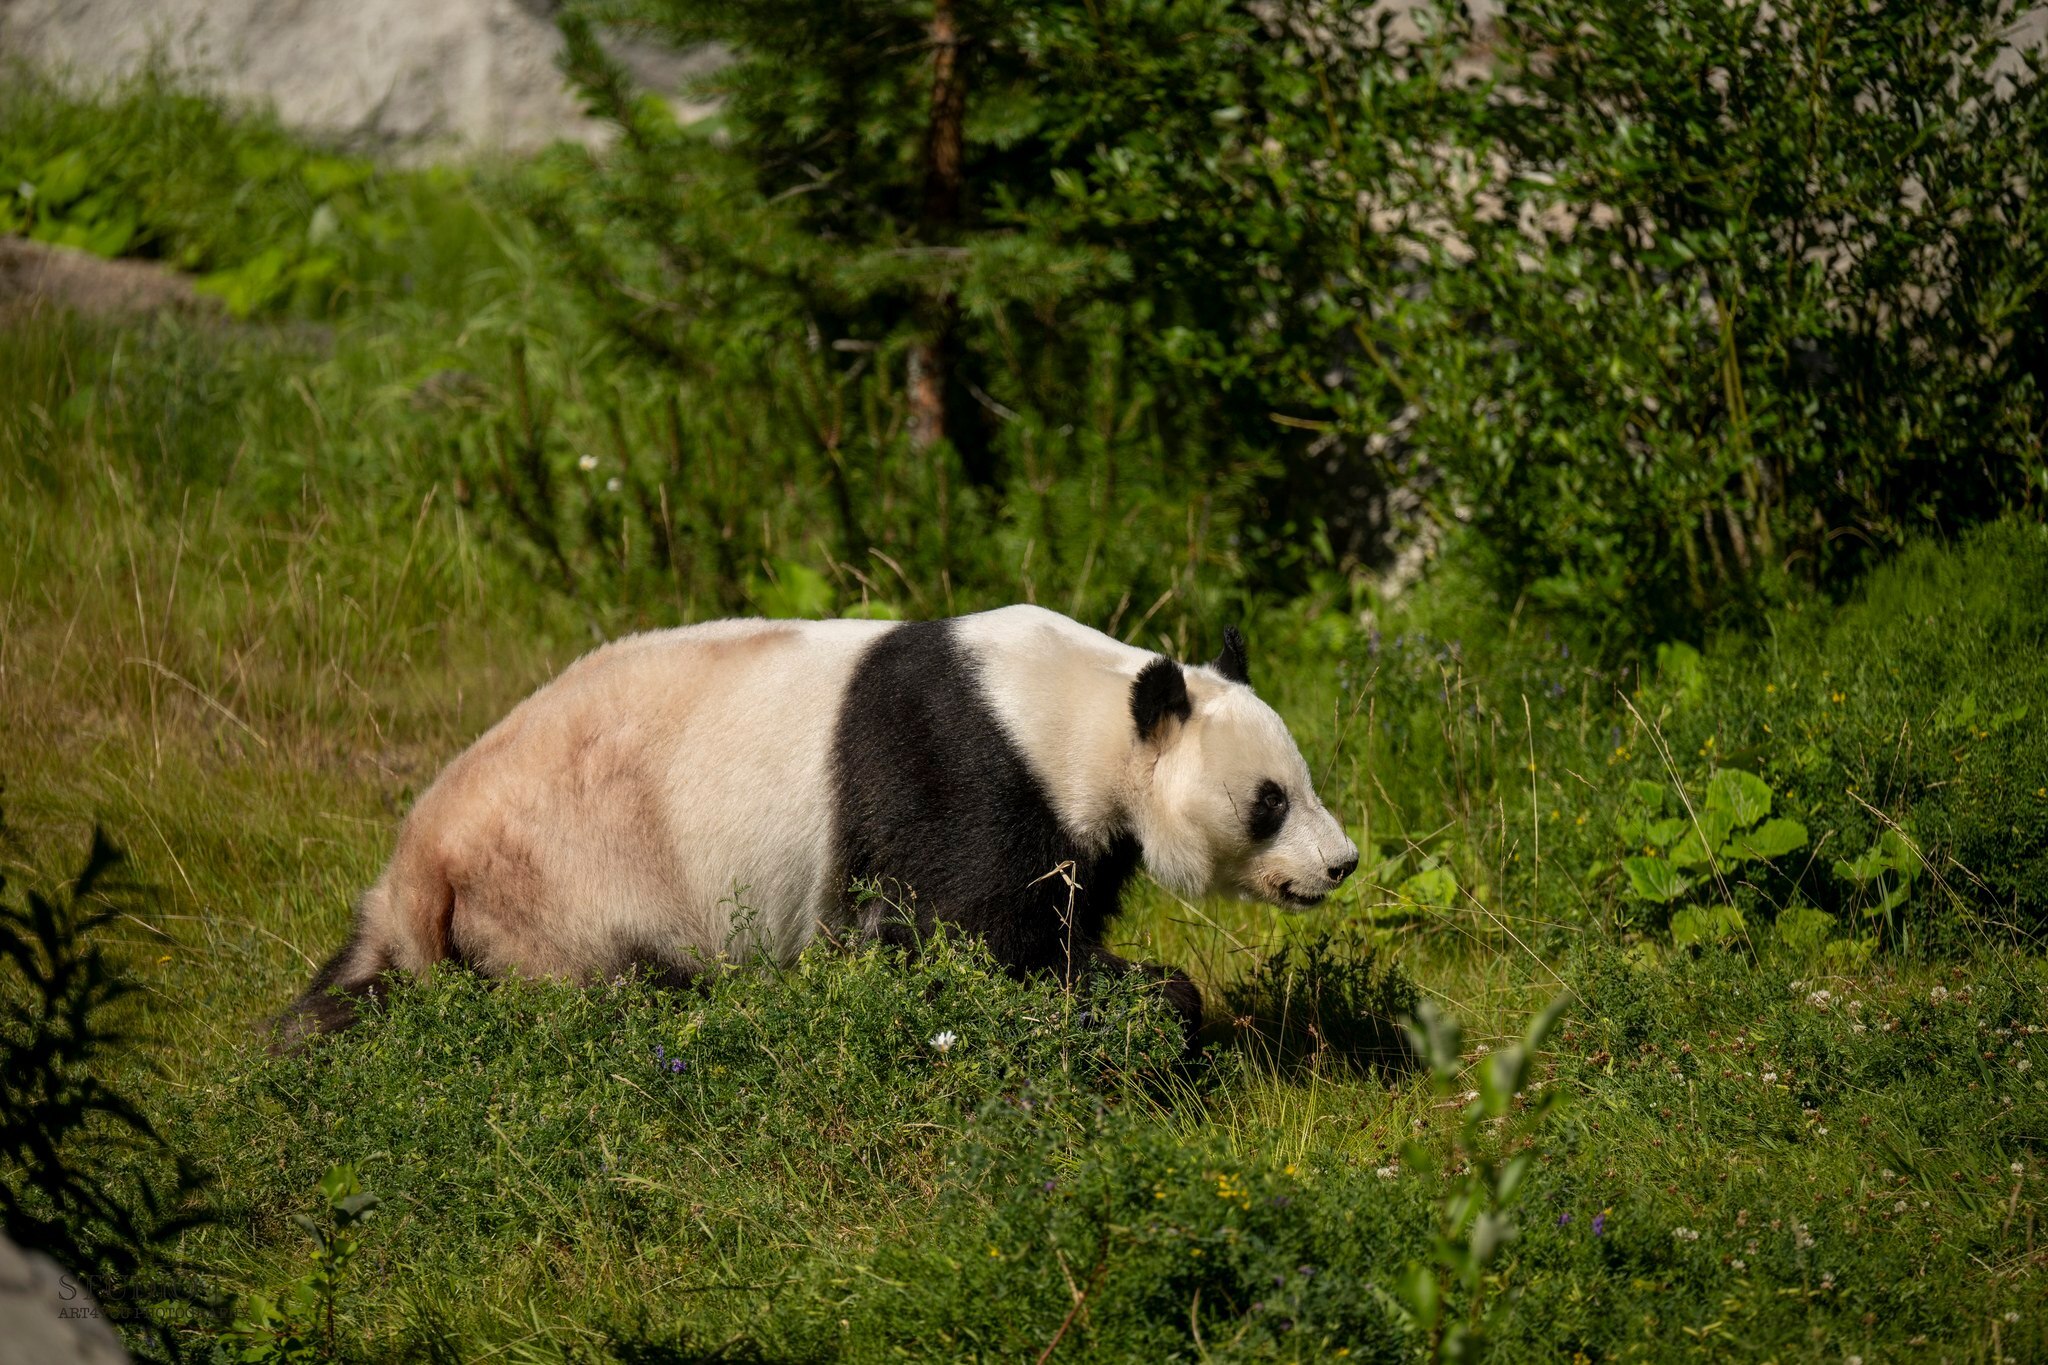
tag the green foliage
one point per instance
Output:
(85, 1176)
(1133, 1243)
(1663, 305)
(1789, 285)
(299, 1325)
(162, 173)
(1476, 1213)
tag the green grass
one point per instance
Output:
(254, 598)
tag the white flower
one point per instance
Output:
(613, 484)
(1856, 1028)
(1770, 1077)
(943, 1040)
(587, 463)
(2018, 1168)
(1852, 1360)
(1819, 999)
(1801, 1238)
(1685, 1234)
(1387, 1172)
(1899, 1207)
(2011, 1316)
(2024, 1065)
(1739, 1264)
(1938, 994)
(1827, 1279)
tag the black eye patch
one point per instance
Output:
(1269, 810)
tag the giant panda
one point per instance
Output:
(721, 790)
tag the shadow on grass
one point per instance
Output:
(1330, 1001)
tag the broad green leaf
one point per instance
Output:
(793, 590)
(1680, 668)
(62, 179)
(1649, 793)
(1663, 832)
(1432, 886)
(1655, 879)
(1771, 839)
(1850, 953)
(1705, 924)
(1744, 796)
(1889, 902)
(1899, 853)
(1691, 851)
(1803, 928)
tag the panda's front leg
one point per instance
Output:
(1176, 985)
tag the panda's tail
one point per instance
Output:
(339, 988)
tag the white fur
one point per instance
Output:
(1062, 693)
(663, 784)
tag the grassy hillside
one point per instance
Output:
(265, 576)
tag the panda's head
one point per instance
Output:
(1224, 803)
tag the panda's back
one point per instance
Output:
(669, 797)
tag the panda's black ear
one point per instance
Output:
(1161, 690)
(1233, 663)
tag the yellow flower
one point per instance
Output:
(1770, 687)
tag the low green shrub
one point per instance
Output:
(1871, 774)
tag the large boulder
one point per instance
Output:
(426, 80)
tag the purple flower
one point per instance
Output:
(678, 1066)
(1563, 1218)
(1600, 1223)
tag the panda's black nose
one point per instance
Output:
(1339, 871)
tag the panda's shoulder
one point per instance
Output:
(1029, 629)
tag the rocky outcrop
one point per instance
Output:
(424, 80)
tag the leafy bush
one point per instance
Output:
(157, 170)
(85, 1176)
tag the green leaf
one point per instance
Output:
(1744, 797)
(1899, 852)
(1803, 928)
(1649, 793)
(1655, 879)
(1705, 924)
(1771, 839)
(793, 589)
(1663, 832)
(1431, 886)
(62, 179)
(1691, 851)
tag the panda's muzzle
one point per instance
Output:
(1296, 898)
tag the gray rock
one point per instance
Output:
(48, 1317)
(426, 78)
